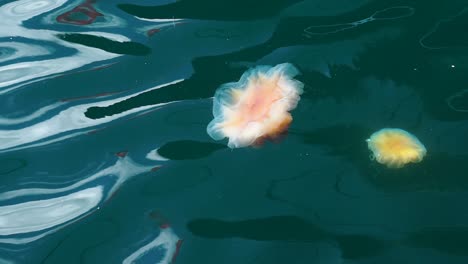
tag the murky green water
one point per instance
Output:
(104, 155)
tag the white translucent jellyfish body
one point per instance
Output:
(255, 107)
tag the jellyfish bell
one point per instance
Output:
(395, 147)
(256, 107)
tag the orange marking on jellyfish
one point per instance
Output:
(257, 107)
(395, 147)
(275, 136)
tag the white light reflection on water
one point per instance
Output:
(12, 29)
(123, 169)
(85, 8)
(18, 11)
(154, 155)
(38, 215)
(14, 50)
(70, 119)
(166, 240)
(15, 75)
(50, 214)
(40, 112)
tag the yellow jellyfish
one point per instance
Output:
(257, 107)
(395, 147)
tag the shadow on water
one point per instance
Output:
(198, 86)
(128, 47)
(450, 240)
(439, 172)
(188, 149)
(286, 228)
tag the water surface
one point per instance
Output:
(104, 155)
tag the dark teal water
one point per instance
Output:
(104, 155)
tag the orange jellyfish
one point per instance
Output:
(395, 147)
(257, 106)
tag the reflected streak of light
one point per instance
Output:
(20, 50)
(58, 139)
(123, 169)
(155, 28)
(36, 114)
(38, 215)
(70, 119)
(25, 240)
(164, 23)
(154, 155)
(166, 239)
(160, 20)
(18, 11)
(20, 74)
(35, 70)
(118, 38)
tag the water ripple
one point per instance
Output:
(18, 74)
(38, 215)
(49, 209)
(70, 119)
(166, 240)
